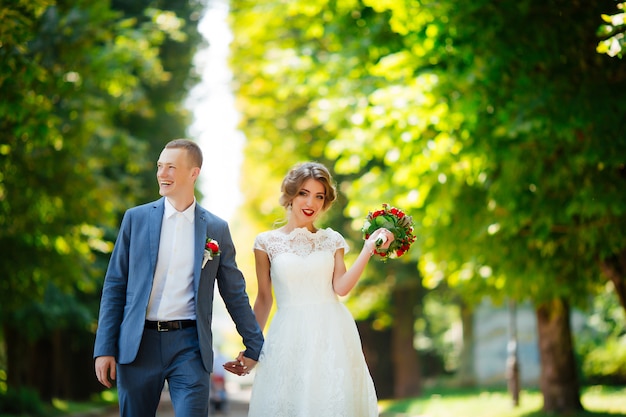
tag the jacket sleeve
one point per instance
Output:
(232, 288)
(114, 295)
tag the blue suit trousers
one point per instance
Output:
(172, 356)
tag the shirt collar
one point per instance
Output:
(189, 212)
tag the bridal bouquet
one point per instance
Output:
(398, 223)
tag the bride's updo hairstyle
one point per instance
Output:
(299, 174)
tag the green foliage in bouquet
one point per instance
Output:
(398, 223)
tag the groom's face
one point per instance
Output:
(175, 175)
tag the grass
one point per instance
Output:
(598, 401)
(26, 402)
(99, 403)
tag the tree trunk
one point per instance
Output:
(407, 374)
(59, 365)
(558, 379)
(615, 269)
(17, 358)
(466, 375)
(376, 348)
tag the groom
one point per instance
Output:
(156, 307)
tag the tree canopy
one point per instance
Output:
(498, 126)
(90, 93)
(612, 39)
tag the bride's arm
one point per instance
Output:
(264, 298)
(344, 280)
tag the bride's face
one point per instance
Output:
(307, 205)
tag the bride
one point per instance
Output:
(312, 362)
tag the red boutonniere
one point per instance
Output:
(211, 249)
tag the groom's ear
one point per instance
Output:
(195, 173)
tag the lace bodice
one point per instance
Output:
(301, 264)
(299, 242)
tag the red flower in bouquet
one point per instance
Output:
(398, 223)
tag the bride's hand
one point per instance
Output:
(382, 234)
(240, 366)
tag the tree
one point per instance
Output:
(498, 126)
(75, 78)
(509, 127)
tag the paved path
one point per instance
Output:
(237, 406)
(238, 400)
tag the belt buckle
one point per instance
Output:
(162, 326)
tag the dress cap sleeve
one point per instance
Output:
(339, 241)
(260, 242)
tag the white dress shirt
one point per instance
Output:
(172, 295)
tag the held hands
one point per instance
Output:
(380, 239)
(240, 366)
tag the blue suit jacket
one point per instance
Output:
(129, 278)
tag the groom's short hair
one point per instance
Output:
(193, 150)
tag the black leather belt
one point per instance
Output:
(166, 326)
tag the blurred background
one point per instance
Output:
(499, 126)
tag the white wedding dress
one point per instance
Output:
(312, 364)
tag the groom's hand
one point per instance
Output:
(241, 366)
(105, 370)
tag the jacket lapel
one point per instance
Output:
(155, 223)
(200, 225)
